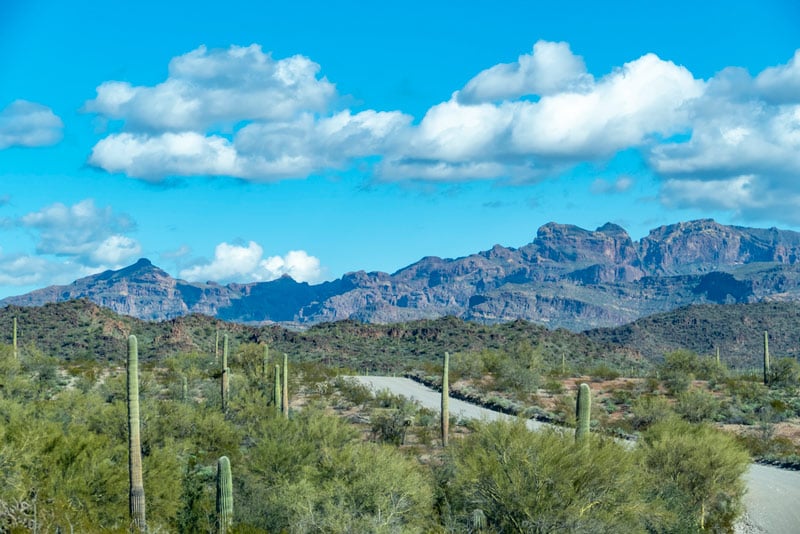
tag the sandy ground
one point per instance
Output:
(772, 501)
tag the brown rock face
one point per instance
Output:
(608, 252)
(704, 245)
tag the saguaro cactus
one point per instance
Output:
(14, 341)
(446, 399)
(276, 392)
(216, 346)
(285, 403)
(766, 357)
(225, 373)
(224, 495)
(583, 410)
(136, 495)
(184, 389)
(265, 365)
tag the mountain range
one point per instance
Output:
(566, 277)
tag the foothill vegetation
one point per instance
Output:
(257, 429)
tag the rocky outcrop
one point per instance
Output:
(566, 277)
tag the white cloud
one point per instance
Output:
(90, 235)
(259, 151)
(239, 112)
(551, 68)
(27, 270)
(154, 156)
(644, 100)
(28, 124)
(236, 263)
(781, 84)
(215, 88)
(276, 115)
(743, 154)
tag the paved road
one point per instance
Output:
(772, 501)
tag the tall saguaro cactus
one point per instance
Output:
(14, 341)
(446, 399)
(224, 495)
(766, 357)
(136, 495)
(276, 391)
(285, 403)
(225, 373)
(265, 364)
(583, 410)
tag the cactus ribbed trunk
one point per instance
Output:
(718, 361)
(16, 351)
(285, 391)
(276, 392)
(216, 347)
(446, 399)
(184, 388)
(265, 365)
(766, 357)
(136, 496)
(583, 411)
(224, 495)
(225, 373)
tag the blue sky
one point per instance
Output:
(246, 140)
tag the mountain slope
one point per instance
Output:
(566, 277)
(736, 329)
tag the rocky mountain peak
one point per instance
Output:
(568, 276)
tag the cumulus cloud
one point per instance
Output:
(218, 87)
(28, 124)
(239, 112)
(237, 263)
(28, 270)
(278, 113)
(743, 151)
(781, 84)
(90, 235)
(551, 68)
(643, 100)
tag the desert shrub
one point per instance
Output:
(697, 472)
(353, 391)
(467, 365)
(648, 410)
(697, 405)
(785, 373)
(603, 372)
(524, 481)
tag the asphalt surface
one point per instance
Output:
(772, 501)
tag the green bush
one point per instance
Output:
(526, 481)
(697, 473)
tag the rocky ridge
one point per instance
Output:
(566, 277)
